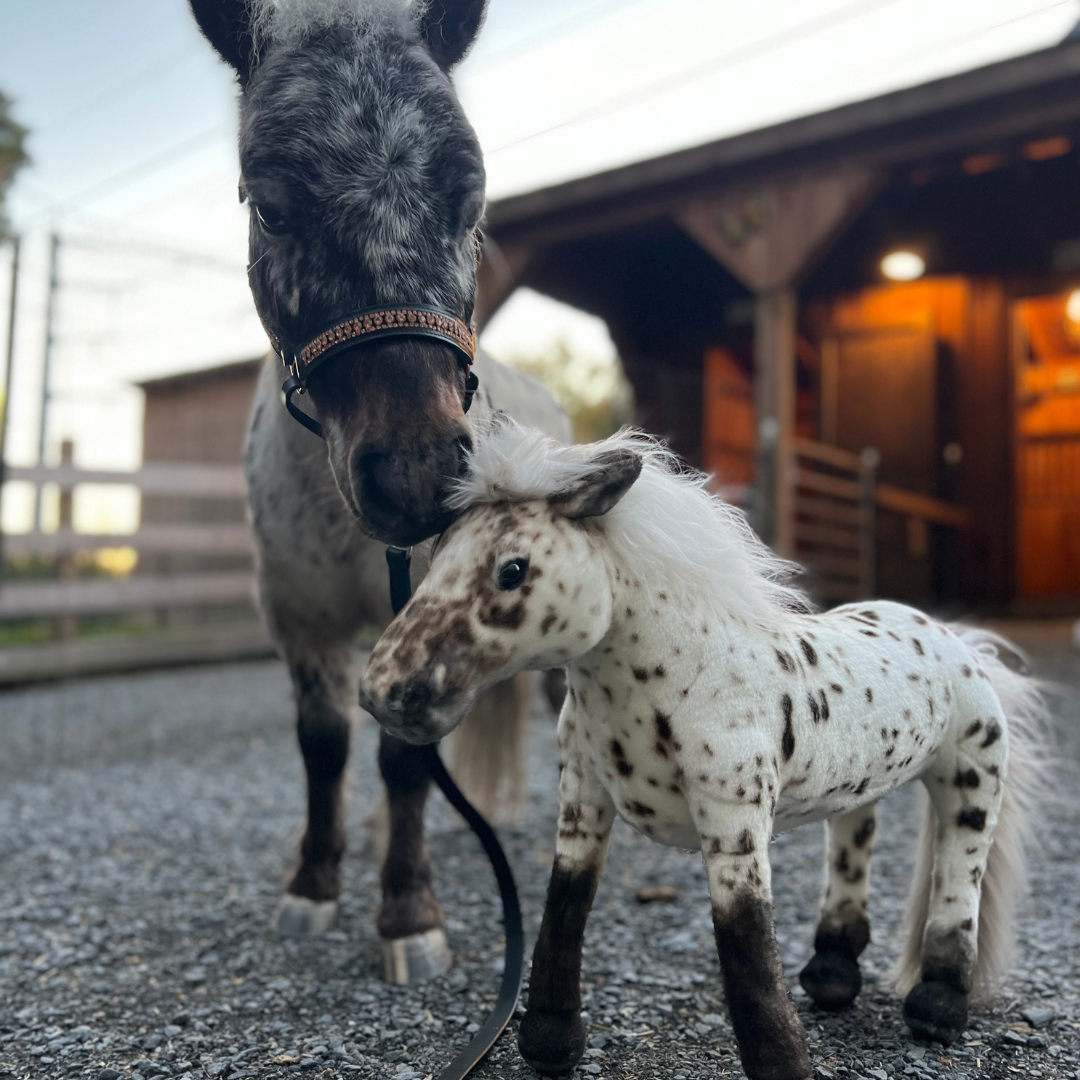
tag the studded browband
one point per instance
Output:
(370, 325)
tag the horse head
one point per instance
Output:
(365, 185)
(512, 585)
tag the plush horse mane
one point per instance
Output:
(292, 22)
(668, 529)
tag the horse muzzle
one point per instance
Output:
(418, 709)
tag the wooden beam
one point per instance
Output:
(203, 481)
(770, 235)
(497, 276)
(174, 539)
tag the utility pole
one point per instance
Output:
(46, 376)
(5, 387)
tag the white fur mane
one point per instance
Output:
(292, 22)
(667, 529)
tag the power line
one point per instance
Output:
(154, 163)
(753, 51)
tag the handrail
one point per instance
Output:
(197, 480)
(912, 504)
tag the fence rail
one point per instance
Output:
(69, 596)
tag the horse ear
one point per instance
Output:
(226, 24)
(449, 28)
(610, 478)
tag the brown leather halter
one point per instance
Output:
(370, 325)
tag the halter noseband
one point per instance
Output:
(369, 325)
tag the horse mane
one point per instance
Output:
(668, 530)
(292, 22)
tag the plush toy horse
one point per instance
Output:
(708, 707)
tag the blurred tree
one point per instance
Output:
(13, 155)
(593, 390)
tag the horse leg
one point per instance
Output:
(410, 920)
(309, 905)
(832, 977)
(735, 844)
(966, 793)
(551, 1036)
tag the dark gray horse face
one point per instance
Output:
(366, 186)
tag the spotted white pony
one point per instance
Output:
(708, 707)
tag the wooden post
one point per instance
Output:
(67, 626)
(769, 235)
(869, 460)
(774, 395)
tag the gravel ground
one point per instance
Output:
(146, 824)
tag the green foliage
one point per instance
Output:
(13, 155)
(593, 390)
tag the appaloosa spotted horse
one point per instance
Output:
(365, 184)
(709, 708)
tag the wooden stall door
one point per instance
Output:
(1047, 448)
(728, 426)
(879, 388)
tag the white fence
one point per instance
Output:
(70, 596)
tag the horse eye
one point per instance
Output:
(273, 221)
(512, 574)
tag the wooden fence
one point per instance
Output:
(834, 533)
(72, 597)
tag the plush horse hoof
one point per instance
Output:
(551, 1042)
(935, 1010)
(297, 916)
(416, 958)
(832, 979)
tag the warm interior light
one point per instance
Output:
(1072, 306)
(903, 266)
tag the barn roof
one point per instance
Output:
(977, 110)
(203, 375)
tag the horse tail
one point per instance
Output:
(1026, 794)
(488, 750)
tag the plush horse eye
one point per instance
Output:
(512, 574)
(273, 221)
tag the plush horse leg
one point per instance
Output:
(832, 977)
(309, 905)
(410, 920)
(551, 1036)
(966, 795)
(772, 1043)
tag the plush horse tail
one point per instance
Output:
(488, 750)
(1027, 783)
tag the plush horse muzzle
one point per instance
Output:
(419, 709)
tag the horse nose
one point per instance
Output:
(403, 488)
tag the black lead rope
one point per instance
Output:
(514, 958)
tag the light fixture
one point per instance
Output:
(903, 266)
(1072, 306)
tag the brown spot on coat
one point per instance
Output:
(787, 740)
(972, 817)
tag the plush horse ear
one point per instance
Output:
(226, 24)
(449, 28)
(610, 478)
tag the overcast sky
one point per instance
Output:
(133, 137)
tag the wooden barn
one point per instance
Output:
(866, 322)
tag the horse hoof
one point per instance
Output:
(935, 1010)
(297, 916)
(416, 958)
(832, 979)
(551, 1042)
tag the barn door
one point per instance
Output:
(879, 387)
(1047, 448)
(728, 424)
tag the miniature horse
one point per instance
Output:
(708, 708)
(365, 185)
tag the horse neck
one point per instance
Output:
(649, 627)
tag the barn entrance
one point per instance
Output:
(1046, 354)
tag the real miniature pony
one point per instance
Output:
(709, 708)
(365, 185)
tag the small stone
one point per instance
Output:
(194, 976)
(824, 1074)
(108, 1074)
(877, 1074)
(216, 1068)
(152, 1042)
(594, 1070)
(1038, 1017)
(308, 1063)
(598, 1041)
(172, 1030)
(1015, 1039)
(181, 1020)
